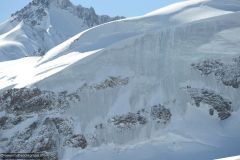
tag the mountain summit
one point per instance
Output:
(43, 24)
(36, 10)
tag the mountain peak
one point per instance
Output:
(49, 18)
(35, 11)
(61, 3)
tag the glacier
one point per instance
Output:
(164, 85)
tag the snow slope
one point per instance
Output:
(176, 14)
(230, 158)
(161, 86)
(41, 25)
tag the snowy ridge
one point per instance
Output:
(107, 34)
(160, 86)
(230, 158)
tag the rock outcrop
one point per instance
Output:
(227, 73)
(36, 10)
(216, 102)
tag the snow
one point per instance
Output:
(28, 71)
(155, 52)
(73, 23)
(176, 7)
(19, 127)
(211, 8)
(230, 158)
(172, 144)
(145, 59)
(103, 36)
(34, 30)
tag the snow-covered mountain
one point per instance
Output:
(43, 24)
(165, 85)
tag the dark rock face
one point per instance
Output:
(7, 122)
(24, 100)
(157, 113)
(29, 15)
(211, 111)
(161, 114)
(228, 74)
(41, 138)
(19, 101)
(99, 126)
(111, 82)
(44, 134)
(36, 10)
(91, 18)
(46, 137)
(121, 129)
(219, 104)
(63, 126)
(3, 121)
(77, 141)
(129, 120)
(46, 129)
(208, 66)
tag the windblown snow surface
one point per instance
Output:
(164, 86)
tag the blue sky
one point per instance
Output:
(126, 8)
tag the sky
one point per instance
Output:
(127, 8)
